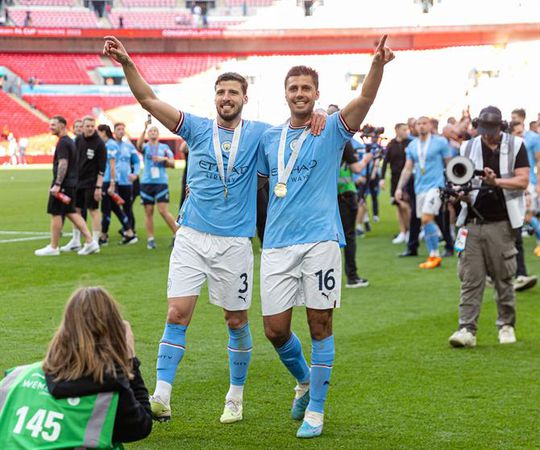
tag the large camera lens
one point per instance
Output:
(459, 170)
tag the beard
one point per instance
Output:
(229, 117)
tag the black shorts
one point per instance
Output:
(57, 208)
(85, 198)
(361, 191)
(393, 185)
(154, 193)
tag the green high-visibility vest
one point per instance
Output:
(31, 418)
(345, 180)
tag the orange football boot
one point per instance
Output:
(431, 263)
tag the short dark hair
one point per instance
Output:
(119, 124)
(297, 71)
(105, 129)
(519, 112)
(233, 76)
(333, 105)
(532, 123)
(400, 124)
(513, 125)
(60, 119)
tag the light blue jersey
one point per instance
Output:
(127, 162)
(309, 212)
(155, 172)
(532, 142)
(206, 209)
(112, 150)
(433, 176)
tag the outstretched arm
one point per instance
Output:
(355, 112)
(165, 113)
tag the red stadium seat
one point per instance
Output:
(75, 107)
(52, 68)
(251, 3)
(69, 18)
(149, 3)
(170, 68)
(21, 122)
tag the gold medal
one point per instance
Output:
(280, 190)
(423, 171)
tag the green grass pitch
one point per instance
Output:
(396, 382)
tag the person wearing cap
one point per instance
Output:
(489, 217)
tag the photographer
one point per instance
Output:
(490, 215)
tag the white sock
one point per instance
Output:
(301, 389)
(163, 391)
(434, 253)
(315, 419)
(235, 393)
(76, 235)
(96, 235)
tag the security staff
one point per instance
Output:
(489, 217)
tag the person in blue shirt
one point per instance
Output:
(109, 188)
(301, 259)
(216, 222)
(157, 157)
(427, 156)
(128, 167)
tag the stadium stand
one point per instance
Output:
(170, 68)
(149, 3)
(52, 68)
(75, 107)
(152, 19)
(21, 122)
(30, 3)
(249, 3)
(65, 18)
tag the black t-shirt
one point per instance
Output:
(395, 156)
(65, 149)
(92, 159)
(490, 203)
(349, 154)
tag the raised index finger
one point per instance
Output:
(382, 42)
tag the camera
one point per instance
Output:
(460, 177)
(371, 131)
(370, 136)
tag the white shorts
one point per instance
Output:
(428, 202)
(531, 200)
(304, 274)
(227, 263)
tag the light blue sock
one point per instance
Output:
(171, 351)
(240, 345)
(322, 360)
(536, 227)
(431, 237)
(291, 355)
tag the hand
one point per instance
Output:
(147, 123)
(55, 189)
(130, 339)
(132, 177)
(115, 50)
(98, 195)
(317, 121)
(463, 197)
(383, 54)
(490, 177)
(381, 184)
(157, 159)
(398, 195)
(110, 191)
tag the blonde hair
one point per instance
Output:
(91, 340)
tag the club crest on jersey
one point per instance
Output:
(293, 144)
(226, 146)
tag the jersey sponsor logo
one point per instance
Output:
(90, 153)
(301, 172)
(36, 385)
(212, 171)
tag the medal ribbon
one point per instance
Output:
(422, 152)
(284, 172)
(232, 153)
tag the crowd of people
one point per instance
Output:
(308, 171)
(99, 173)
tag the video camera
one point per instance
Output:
(460, 177)
(372, 134)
